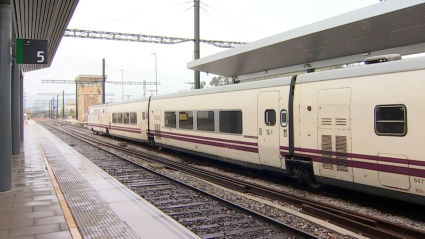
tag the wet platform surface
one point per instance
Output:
(86, 202)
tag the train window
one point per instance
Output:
(283, 118)
(170, 119)
(205, 120)
(230, 122)
(391, 120)
(270, 117)
(114, 118)
(119, 118)
(133, 118)
(186, 119)
(126, 118)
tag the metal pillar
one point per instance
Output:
(103, 77)
(53, 108)
(63, 104)
(21, 107)
(197, 51)
(5, 98)
(16, 121)
(57, 106)
(49, 115)
(122, 84)
(144, 88)
(156, 76)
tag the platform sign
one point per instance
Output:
(30, 51)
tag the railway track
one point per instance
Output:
(365, 225)
(205, 214)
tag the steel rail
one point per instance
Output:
(366, 225)
(169, 164)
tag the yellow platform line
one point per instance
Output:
(75, 233)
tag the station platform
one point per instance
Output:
(58, 193)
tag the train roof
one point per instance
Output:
(396, 26)
(347, 72)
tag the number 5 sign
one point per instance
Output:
(29, 51)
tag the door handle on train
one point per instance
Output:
(260, 131)
(285, 133)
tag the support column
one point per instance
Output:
(63, 105)
(57, 106)
(5, 98)
(21, 81)
(16, 121)
(197, 50)
(53, 108)
(104, 81)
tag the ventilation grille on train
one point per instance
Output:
(326, 121)
(340, 121)
(327, 151)
(341, 153)
(158, 130)
(336, 122)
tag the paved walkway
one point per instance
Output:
(58, 193)
(31, 210)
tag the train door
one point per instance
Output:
(334, 133)
(144, 121)
(268, 128)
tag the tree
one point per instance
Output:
(221, 80)
(71, 113)
(214, 81)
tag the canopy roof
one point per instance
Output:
(386, 25)
(44, 20)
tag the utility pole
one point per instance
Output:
(156, 76)
(57, 106)
(103, 76)
(53, 108)
(122, 84)
(63, 105)
(144, 88)
(197, 51)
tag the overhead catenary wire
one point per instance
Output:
(230, 16)
(79, 70)
(135, 15)
(167, 20)
(159, 79)
(126, 71)
(225, 25)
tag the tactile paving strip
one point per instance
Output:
(92, 215)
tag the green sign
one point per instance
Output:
(30, 51)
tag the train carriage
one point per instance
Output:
(222, 122)
(356, 127)
(128, 119)
(97, 118)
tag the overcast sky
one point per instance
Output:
(235, 20)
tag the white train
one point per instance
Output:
(358, 127)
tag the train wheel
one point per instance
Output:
(315, 185)
(308, 178)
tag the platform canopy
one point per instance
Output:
(392, 26)
(41, 19)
